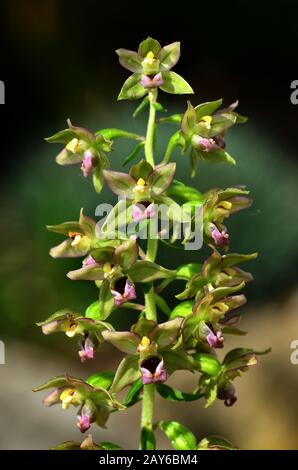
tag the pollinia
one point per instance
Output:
(119, 256)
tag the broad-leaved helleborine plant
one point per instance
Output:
(122, 264)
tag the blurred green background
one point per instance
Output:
(58, 61)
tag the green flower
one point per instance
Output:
(82, 146)
(151, 69)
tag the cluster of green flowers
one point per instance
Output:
(207, 308)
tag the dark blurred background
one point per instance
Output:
(58, 61)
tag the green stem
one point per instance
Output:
(147, 410)
(151, 127)
(148, 393)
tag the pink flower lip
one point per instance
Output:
(220, 238)
(123, 291)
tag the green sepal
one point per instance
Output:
(125, 341)
(106, 300)
(148, 45)
(134, 153)
(207, 364)
(185, 192)
(147, 439)
(120, 183)
(110, 446)
(147, 271)
(187, 271)
(130, 60)
(101, 379)
(207, 109)
(128, 372)
(142, 169)
(173, 394)
(114, 133)
(183, 309)
(169, 56)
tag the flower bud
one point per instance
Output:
(227, 392)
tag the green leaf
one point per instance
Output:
(221, 122)
(101, 379)
(208, 108)
(61, 137)
(148, 45)
(133, 395)
(169, 56)
(97, 179)
(147, 271)
(207, 364)
(174, 119)
(126, 254)
(110, 446)
(189, 121)
(134, 153)
(188, 193)
(143, 105)
(93, 311)
(215, 443)
(65, 157)
(106, 300)
(173, 394)
(120, 183)
(217, 156)
(130, 60)
(177, 360)
(176, 140)
(159, 107)
(180, 437)
(241, 357)
(132, 88)
(183, 309)
(175, 84)
(128, 372)
(147, 440)
(187, 271)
